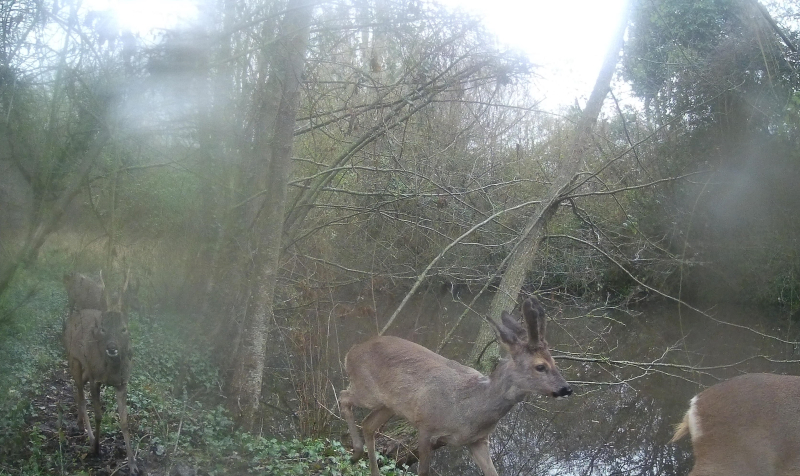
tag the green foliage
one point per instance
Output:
(296, 457)
(29, 349)
(716, 75)
(712, 62)
(785, 290)
(157, 202)
(172, 398)
(665, 36)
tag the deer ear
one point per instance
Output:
(509, 331)
(108, 298)
(120, 300)
(514, 325)
(533, 312)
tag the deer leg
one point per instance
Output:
(479, 451)
(425, 449)
(122, 409)
(94, 388)
(346, 403)
(83, 416)
(371, 424)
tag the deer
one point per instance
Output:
(447, 402)
(84, 293)
(99, 352)
(747, 426)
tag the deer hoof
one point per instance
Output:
(357, 455)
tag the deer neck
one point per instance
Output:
(498, 394)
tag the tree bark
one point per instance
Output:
(245, 386)
(527, 246)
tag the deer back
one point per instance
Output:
(400, 374)
(100, 342)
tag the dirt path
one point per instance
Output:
(54, 431)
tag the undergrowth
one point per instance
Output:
(174, 397)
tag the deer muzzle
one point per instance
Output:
(564, 391)
(112, 351)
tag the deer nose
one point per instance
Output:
(112, 351)
(563, 392)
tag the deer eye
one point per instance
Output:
(541, 368)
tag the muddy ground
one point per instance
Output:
(55, 417)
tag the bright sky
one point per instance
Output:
(566, 38)
(141, 16)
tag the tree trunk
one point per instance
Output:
(524, 252)
(275, 164)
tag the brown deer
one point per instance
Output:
(84, 293)
(99, 352)
(746, 426)
(448, 403)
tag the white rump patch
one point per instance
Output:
(694, 420)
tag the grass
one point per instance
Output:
(174, 399)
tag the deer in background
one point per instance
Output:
(99, 352)
(746, 426)
(448, 403)
(84, 293)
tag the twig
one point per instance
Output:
(442, 253)
(180, 424)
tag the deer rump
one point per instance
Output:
(746, 426)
